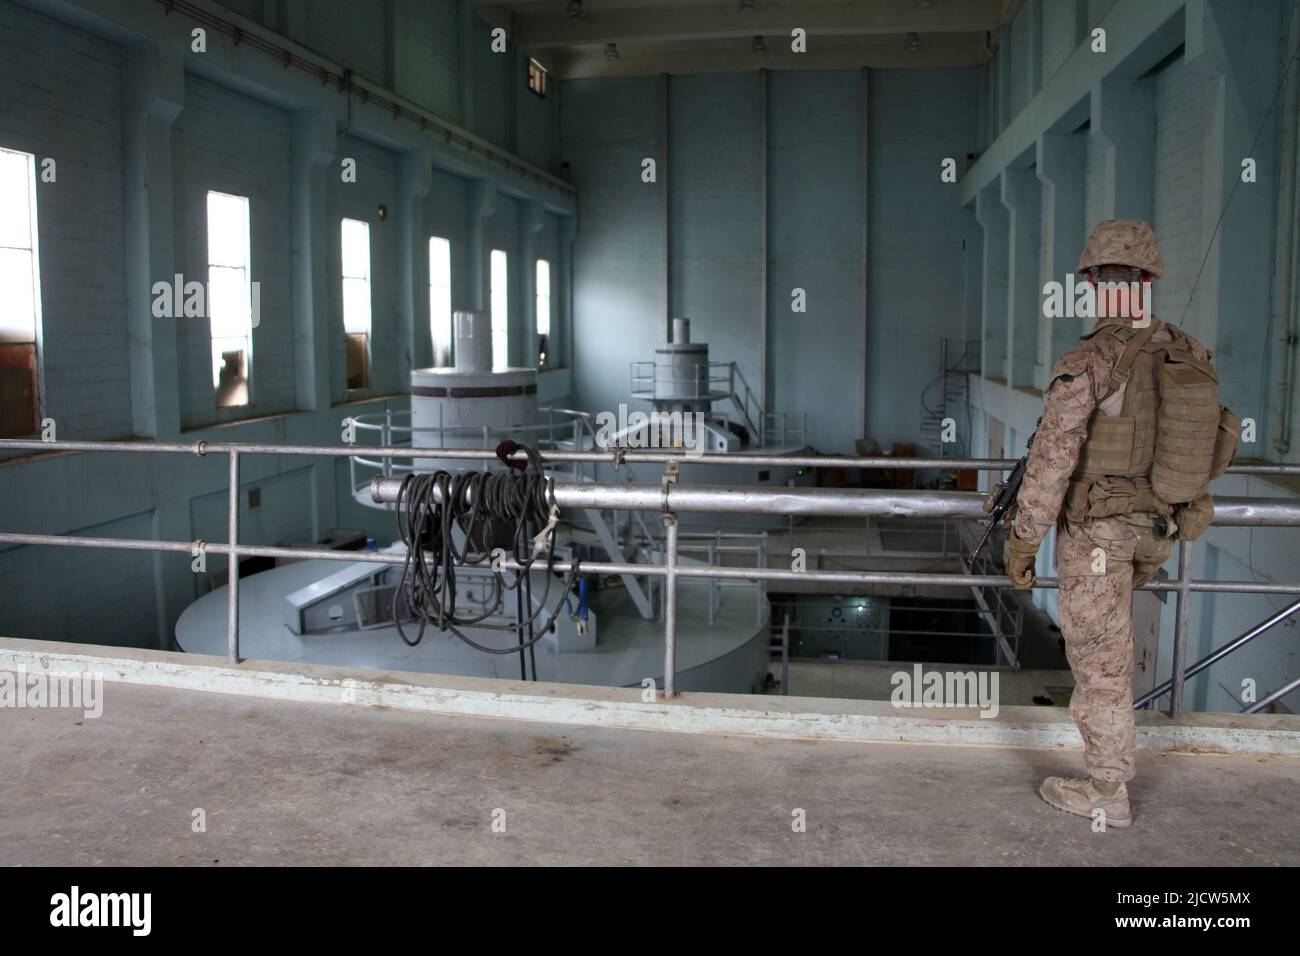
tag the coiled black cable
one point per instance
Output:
(486, 506)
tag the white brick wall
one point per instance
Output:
(1058, 34)
(82, 595)
(352, 33)
(63, 100)
(376, 183)
(1178, 188)
(225, 141)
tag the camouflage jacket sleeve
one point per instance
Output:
(1071, 399)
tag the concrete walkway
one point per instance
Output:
(313, 783)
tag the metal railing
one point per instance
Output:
(670, 498)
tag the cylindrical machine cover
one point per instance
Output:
(445, 399)
(473, 334)
(681, 372)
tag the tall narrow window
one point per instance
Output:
(440, 300)
(20, 295)
(356, 300)
(500, 304)
(543, 311)
(230, 298)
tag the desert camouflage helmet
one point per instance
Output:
(1122, 242)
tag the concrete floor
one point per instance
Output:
(298, 783)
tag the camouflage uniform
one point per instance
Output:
(1098, 559)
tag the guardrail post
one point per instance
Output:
(714, 558)
(232, 590)
(670, 606)
(388, 439)
(1182, 619)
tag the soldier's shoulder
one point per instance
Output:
(1083, 359)
(1197, 347)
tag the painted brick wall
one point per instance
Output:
(715, 209)
(502, 232)
(52, 69)
(1178, 188)
(1018, 60)
(352, 33)
(80, 595)
(428, 53)
(445, 211)
(493, 72)
(282, 518)
(230, 143)
(376, 183)
(608, 126)
(815, 236)
(1057, 34)
(915, 281)
(815, 207)
(1095, 171)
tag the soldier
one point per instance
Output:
(1090, 472)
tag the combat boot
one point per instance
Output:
(1083, 798)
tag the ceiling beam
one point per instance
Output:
(667, 21)
(726, 56)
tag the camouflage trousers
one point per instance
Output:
(1097, 562)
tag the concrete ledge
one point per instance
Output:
(797, 718)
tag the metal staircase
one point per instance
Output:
(957, 359)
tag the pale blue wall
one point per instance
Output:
(873, 346)
(244, 124)
(1180, 97)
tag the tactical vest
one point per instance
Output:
(1170, 438)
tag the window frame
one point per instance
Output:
(245, 265)
(543, 270)
(501, 332)
(355, 339)
(447, 357)
(18, 342)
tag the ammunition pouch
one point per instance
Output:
(1111, 496)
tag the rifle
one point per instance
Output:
(1004, 495)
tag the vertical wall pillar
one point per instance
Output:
(414, 180)
(1034, 11)
(1061, 173)
(313, 146)
(992, 216)
(1020, 196)
(666, 208)
(482, 204)
(563, 345)
(465, 63)
(1223, 44)
(525, 346)
(1124, 121)
(1004, 78)
(154, 95)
